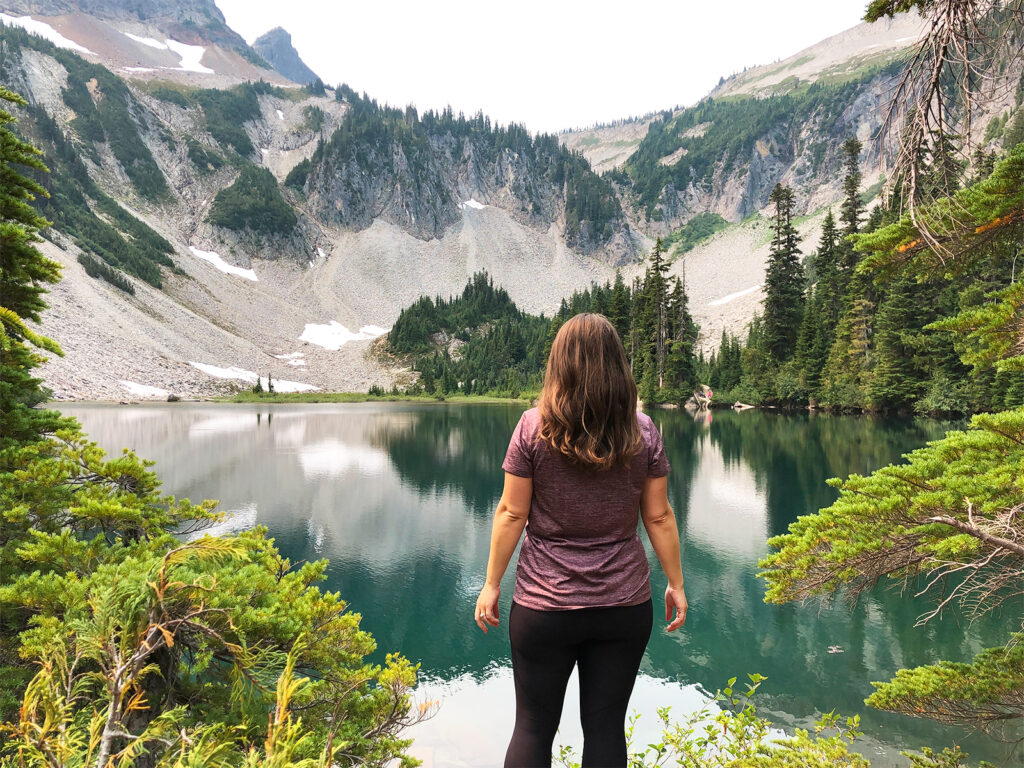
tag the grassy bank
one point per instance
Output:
(363, 397)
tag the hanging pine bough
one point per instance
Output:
(979, 218)
(996, 330)
(961, 224)
(954, 71)
(955, 509)
(950, 523)
(987, 692)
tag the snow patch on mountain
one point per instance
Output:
(150, 41)
(293, 358)
(44, 30)
(142, 390)
(214, 258)
(190, 57)
(731, 296)
(250, 377)
(334, 335)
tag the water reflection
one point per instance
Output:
(399, 497)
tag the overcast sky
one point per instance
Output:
(550, 64)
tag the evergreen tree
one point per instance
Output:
(618, 309)
(656, 312)
(844, 379)
(24, 273)
(827, 270)
(852, 209)
(783, 282)
(680, 363)
(647, 386)
(556, 322)
(822, 309)
(896, 378)
(808, 366)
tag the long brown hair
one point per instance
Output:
(588, 404)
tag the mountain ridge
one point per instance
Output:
(275, 46)
(385, 204)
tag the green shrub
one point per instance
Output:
(253, 202)
(97, 269)
(226, 112)
(297, 176)
(171, 96)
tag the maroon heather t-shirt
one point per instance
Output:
(581, 548)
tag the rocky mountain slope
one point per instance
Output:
(609, 146)
(186, 41)
(189, 264)
(276, 49)
(217, 222)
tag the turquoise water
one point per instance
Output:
(399, 497)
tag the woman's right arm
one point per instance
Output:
(660, 523)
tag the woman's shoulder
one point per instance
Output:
(646, 424)
(647, 428)
(529, 423)
(531, 416)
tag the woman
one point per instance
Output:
(578, 468)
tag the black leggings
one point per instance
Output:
(607, 644)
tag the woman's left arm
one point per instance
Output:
(509, 522)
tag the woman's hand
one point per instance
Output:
(675, 599)
(487, 607)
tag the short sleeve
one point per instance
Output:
(657, 462)
(519, 457)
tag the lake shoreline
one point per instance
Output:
(305, 397)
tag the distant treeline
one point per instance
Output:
(500, 350)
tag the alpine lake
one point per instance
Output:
(399, 497)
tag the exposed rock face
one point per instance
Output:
(276, 48)
(140, 10)
(424, 194)
(190, 21)
(423, 175)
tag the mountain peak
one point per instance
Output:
(276, 47)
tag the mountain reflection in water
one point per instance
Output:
(399, 497)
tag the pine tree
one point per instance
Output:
(844, 380)
(808, 371)
(618, 311)
(656, 292)
(556, 322)
(783, 282)
(24, 273)
(827, 269)
(680, 363)
(852, 209)
(896, 378)
(647, 387)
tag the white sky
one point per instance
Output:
(551, 65)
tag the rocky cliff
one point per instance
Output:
(422, 174)
(276, 48)
(187, 40)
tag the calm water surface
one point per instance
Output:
(399, 497)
